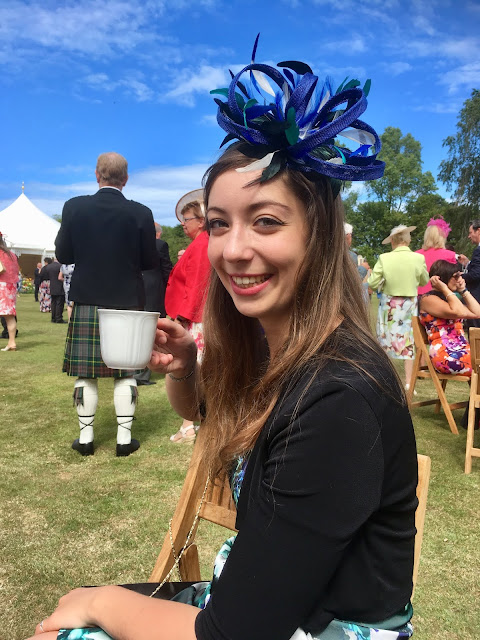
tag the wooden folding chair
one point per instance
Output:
(201, 499)
(439, 379)
(471, 451)
(424, 465)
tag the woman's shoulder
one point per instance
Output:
(357, 373)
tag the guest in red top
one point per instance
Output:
(433, 248)
(188, 282)
(8, 292)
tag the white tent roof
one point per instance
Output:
(27, 229)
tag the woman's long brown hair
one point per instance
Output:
(239, 381)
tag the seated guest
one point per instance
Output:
(442, 312)
(299, 403)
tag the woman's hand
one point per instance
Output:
(460, 282)
(73, 612)
(438, 285)
(174, 350)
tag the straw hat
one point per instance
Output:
(192, 196)
(395, 230)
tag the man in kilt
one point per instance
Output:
(111, 240)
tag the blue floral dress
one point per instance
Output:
(395, 628)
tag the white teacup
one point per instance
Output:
(126, 337)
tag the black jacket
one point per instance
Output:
(111, 240)
(155, 280)
(50, 272)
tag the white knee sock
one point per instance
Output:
(125, 395)
(85, 399)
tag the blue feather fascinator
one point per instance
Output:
(289, 119)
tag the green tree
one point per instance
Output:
(403, 180)
(371, 222)
(460, 172)
(176, 240)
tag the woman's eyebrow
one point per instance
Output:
(254, 206)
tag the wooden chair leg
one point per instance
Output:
(471, 423)
(445, 406)
(413, 379)
(190, 565)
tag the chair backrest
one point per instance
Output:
(424, 465)
(213, 502)
(474, 339)
(419, 334)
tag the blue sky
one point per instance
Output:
(81, 77)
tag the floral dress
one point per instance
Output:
(394, 326)
(449, 349)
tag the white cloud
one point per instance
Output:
(190, 82)
(396, 68)
(159, 188)
(438, 107)
(131, 83)
(467, 76)
(85, 26)
(210, 120)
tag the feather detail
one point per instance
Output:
(257, 164)
(299, 67)
(254, 51)
(263, 82)
(362, 137)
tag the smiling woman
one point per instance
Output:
(257, 244)
(298, 402)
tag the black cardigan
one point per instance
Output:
(111, 240)
(326, 514)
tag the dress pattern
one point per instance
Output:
(44, 297)
(394, 326)
(396, 628)
(8, 297)
(449, 349)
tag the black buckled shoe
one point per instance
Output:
(127, 449)
(83, 449)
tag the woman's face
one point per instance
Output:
(192, 226)
(257, 243)
(454, 281)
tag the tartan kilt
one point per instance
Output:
(83, 357)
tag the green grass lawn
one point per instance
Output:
(67, 521)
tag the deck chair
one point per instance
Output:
(439, 379)
(212, 501)
(471, 451)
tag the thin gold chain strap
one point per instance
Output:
(178, 557)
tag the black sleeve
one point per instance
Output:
(321, 481)
(63, 242)
(165, 263)
(148, 256)
(473, 273)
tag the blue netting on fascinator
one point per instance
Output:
(287, 118)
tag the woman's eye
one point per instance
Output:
(217, 223)
(268, 222)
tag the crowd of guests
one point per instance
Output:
(431, 284)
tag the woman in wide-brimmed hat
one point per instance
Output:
(398, 274)
(188, 281)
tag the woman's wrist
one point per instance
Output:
(181, 376)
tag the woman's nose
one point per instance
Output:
(237, 246)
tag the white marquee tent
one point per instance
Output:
(29, 232)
